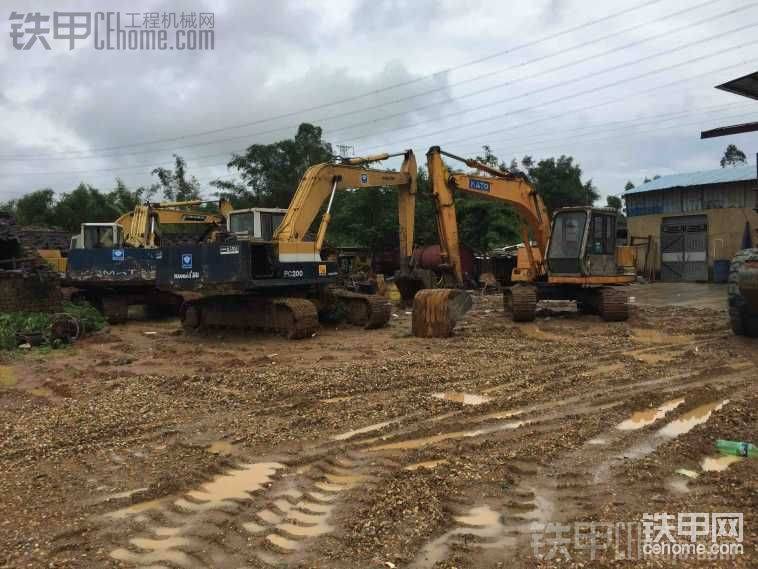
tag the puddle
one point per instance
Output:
(459, 397)
(306, 531)
(678, 485)
(269, 517)
(353, 433)
(687, 472)
(124, 513)
(166, 532)
(235, 484)
(691, 419)
(424, 441)
(121, 495)
(345, 480)
(647, 417)
(718, 463)
(304, 518)
(479, 516)
(597, 441)
(7, 377)
(426, 464)
(480, 521)
(504, 414)
(178, 558)
(282, 542)
(222, 448)
(314, 507)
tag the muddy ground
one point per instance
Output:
(141, 447)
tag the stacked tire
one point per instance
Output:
(743, 293)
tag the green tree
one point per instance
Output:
(176, 185)
(271, 172)
(8, 207)
(614, 202)
(123, 200)
(84, 204)
(733, 156)
(36, 208)
(559, 182)
(628, 186)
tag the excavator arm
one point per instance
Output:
(501, 186)
(142, 225)
(321, 182)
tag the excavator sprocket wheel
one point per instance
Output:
(613, 304)
(521, 300)
(367, 310)
(436, 311)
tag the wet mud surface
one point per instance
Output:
(373, 448)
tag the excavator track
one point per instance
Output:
(367, 310)
(613, 304)
(295, 318)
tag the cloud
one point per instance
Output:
(271, 58)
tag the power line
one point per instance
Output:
(487, 119)
(374, 91)
(552, 143)
(574, 95)
(547, 72)
(362, 110)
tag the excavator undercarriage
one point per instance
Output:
(293, 317)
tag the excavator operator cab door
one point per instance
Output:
(565, 250)
(583, 242)
(99, 236)
(600, 258)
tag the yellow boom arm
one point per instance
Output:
(141, 225)
(498, 185)
(320, 182)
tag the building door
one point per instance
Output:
(684, 248)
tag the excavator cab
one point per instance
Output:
(583, 242)
(98, 236)
(254, 224)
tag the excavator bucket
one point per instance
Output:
(436, 311)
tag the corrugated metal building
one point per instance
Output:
(694, 219)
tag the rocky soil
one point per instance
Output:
(142, 447)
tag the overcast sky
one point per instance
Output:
(625, 90)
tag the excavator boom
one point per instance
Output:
(320, 183)
(501, 186)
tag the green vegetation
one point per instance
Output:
(37, 323)
(269, 175)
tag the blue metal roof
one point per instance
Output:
(720, 176)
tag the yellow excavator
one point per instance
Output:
(279, 281)
(114, 265)
(573, 258)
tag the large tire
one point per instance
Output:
(743, 323)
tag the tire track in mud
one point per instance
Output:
(266, 510)
(572, 487)
(278, 512)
